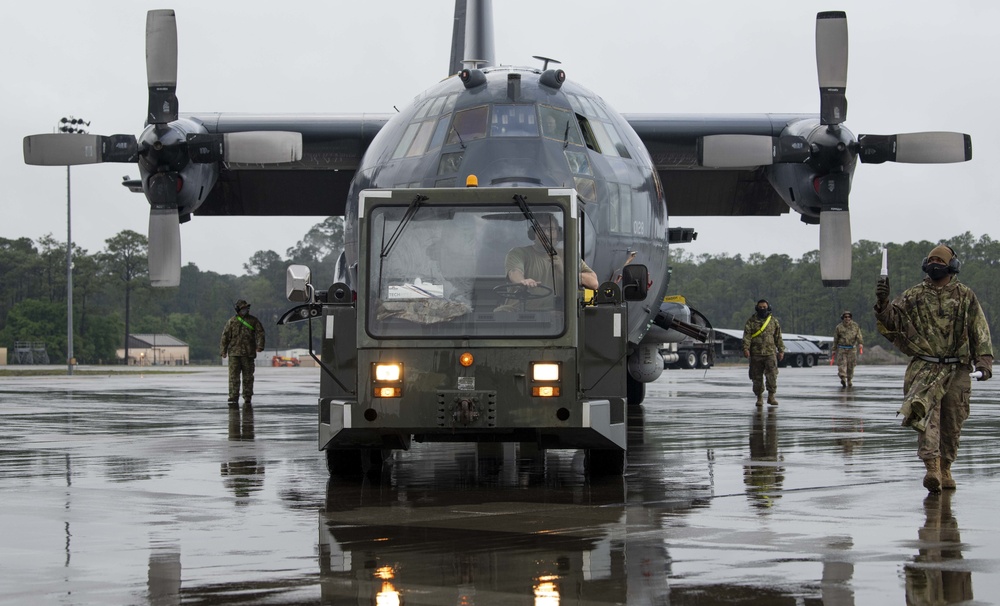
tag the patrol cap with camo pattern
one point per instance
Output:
(241, 304)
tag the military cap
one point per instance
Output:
(941, 252)
(241, 304)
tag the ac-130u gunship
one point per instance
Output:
(542, 148)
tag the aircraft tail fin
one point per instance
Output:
(472, 36)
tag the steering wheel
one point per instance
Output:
(521, 292)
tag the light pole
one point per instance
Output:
(70, 125)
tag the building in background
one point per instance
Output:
(155, 350)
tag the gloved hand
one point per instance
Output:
(882, 291)
(987, 373)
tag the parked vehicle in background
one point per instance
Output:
(800, 352)
(690, 353)
(285, 361)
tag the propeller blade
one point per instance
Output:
(251, 147)
(62, 149)
(70, 149)
(915, 148)
(835, 247)
(164, 229)
(733, 151)
(164, 247)
(831, 65)
(161, 66)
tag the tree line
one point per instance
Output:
(112, 295)
(725, 288)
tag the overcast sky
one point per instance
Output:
(914, 66)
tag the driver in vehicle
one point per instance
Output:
(539, 274)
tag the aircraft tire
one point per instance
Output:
(635, 391)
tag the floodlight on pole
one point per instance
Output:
(70, 125)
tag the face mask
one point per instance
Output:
(243, 311)
(763, 313)
(936, 270)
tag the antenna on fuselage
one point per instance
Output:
(545, 61)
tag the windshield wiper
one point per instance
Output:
(530, 216)
(387, 246)
(410, 211)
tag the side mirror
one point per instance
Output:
(297, 286)
(635, 282)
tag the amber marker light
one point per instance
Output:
(466, 359)
(387, 379)
(545, 391)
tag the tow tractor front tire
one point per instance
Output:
(605, 462)
(355, 462)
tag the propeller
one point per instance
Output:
(178, 158)
(828, 152)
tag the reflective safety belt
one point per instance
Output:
(247, 324)
(762, 327)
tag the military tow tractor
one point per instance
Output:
(433, 343)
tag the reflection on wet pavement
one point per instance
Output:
(146, 489)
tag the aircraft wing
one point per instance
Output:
(315, 185)
(693, 190)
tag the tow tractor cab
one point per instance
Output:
(437, 345)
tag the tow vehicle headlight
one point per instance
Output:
(387, 379)
(388, 372)
(544, 371)
(545, 379)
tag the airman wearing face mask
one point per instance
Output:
(940, 324)
(762, 343)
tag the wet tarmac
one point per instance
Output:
(143, 488)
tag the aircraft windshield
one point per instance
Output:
(446, 272)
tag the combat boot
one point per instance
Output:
(760, 399)
(770, 399)
(947, 482)
(932, 479)
(843, 382)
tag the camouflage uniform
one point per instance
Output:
(242, 338)
(537, 265)
(945, 323)
(846, 339)
(764, 349)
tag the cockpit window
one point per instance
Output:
(459, 287)
(560, 125)
(404, 143)
(514, 121)
(469, 124)
(608, 140)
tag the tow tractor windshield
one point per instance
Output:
(446, 272)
